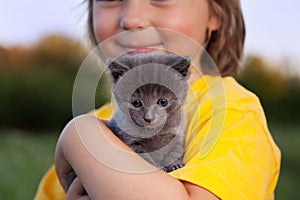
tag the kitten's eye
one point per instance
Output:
(136, 103)
(162, 102)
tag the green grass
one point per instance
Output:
(23, 160)
(288, 139)
(26, 157)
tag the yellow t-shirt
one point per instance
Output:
(229, 150)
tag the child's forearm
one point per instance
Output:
(108, 169)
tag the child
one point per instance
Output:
(230, 153)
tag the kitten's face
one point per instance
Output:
(144, 86)
(151, 104)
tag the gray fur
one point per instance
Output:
(153, 131)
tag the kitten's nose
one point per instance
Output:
(149, 120)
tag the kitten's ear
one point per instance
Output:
(116, 69)
(182, 65)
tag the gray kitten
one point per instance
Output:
(150, 90)
(149, 116)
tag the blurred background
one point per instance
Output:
(43, 43)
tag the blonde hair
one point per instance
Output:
(225, 45)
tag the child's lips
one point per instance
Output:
(142, 49)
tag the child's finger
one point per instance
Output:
(76, 191)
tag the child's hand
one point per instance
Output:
(76, 191)
(86, 144)
(70, 148)
(62, 165)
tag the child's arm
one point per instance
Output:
(104, 182)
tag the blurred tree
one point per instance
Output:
(277, 91)
(36, 83)
(14, 58)
(57, 51)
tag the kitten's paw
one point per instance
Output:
(177, 166)
(173, 167)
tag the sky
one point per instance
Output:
(273, 27)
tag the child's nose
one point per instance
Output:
(134, 15)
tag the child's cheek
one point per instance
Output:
(105, 24)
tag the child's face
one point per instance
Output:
(189, 17)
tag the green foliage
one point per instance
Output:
(59, 52)
(36, 99)
(36, 83)
(279, 93)
(24, 159)
(287, 137)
